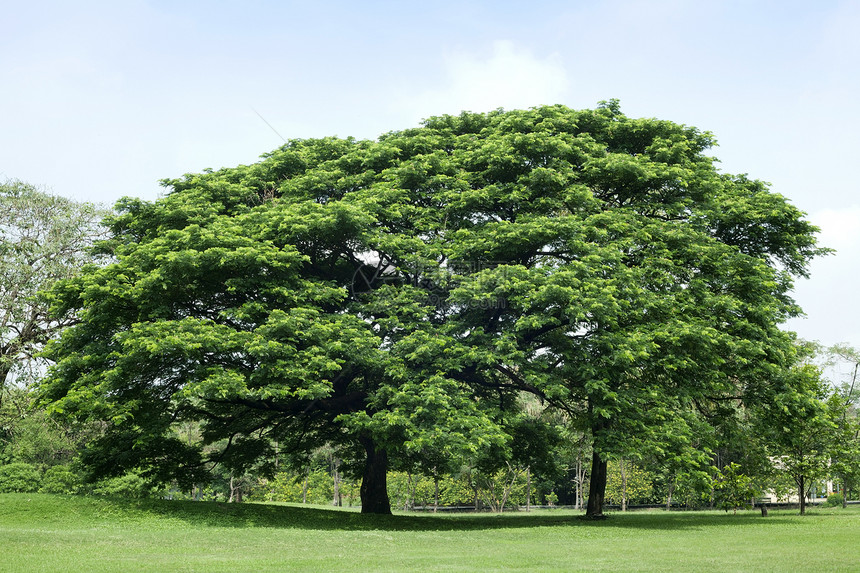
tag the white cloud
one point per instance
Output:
(829, 296)
(511, 77)
(840, 229)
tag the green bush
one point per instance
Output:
(128, 485)
(833, 500)
(289, 487)
(19, 477)
(60, 479)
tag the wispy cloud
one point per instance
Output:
(509, 77)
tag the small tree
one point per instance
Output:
(733, 489)
(800, 428)
(845, 456)
(627, 482)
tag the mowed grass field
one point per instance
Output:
(69, 534)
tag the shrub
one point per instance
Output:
(60, 479)
(128, 485)
(833, 500)
(19, 477)
(290, 487)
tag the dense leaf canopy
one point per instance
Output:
(399, 294)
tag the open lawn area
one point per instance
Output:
(58, 533)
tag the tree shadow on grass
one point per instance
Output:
(249, 515)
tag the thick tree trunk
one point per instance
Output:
(374, 488)
(596, 488)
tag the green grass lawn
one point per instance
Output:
(68, 534)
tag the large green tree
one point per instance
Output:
(398, 295)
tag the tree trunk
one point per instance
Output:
(374, 488)
(410, 492)
(5, 368)
(844, 496)
(596, 488)
(528, 489)
(801, 495)
(436, 494)
(336, 487)
(669, 497)
(623, 485)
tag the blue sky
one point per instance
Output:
(102, 99)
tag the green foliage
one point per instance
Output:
(627, 483)
(834, 500)
(799, 428)
(843, 407)
(781, 485)
(312, 487)
(398, 296)
(131, 485)
(19, 477)
(37, 439)
(44, 238)
(60, 479)
(501, 488)
(407, 491)
(693, 489)
(733, 489)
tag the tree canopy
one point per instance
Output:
(396, 296)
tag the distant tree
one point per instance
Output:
(845, 455)
(733, 489)
(44, 238)
(627, 482)
(799, 428)
(29, 435)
